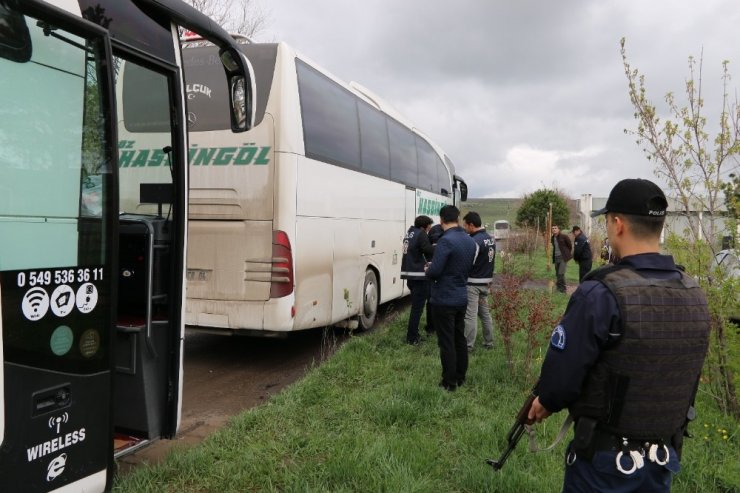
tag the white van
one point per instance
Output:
(501, 230)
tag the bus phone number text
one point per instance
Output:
(59, 276)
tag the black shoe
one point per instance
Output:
(460, 383)
(447, 387)
(413, 342)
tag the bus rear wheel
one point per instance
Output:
(369, 308)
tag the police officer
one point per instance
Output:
(582, 252)
(626, 357)
(481, 276)
(417, 251)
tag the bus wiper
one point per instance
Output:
(49, 31)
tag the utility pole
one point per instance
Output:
(549, 231)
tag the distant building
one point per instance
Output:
(677, 220)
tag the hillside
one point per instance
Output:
(492, 210)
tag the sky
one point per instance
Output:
(521, 94)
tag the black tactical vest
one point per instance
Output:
(642, 386)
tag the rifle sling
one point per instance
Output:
(561, 434)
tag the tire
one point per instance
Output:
(369, 306)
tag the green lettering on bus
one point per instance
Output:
(245, 155)
(124, 158)
(157, 158)
(204, 156)
(141, 158)
(262, 158)
(224, 156)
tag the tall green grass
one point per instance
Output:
(372, 418)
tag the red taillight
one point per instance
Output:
(281, 277)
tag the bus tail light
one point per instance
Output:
(281, 273)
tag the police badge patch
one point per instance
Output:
(557, 340)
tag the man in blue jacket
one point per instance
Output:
(449, 271)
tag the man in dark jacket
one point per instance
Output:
(449, 272)
(626, 357)
(561, 253)
(417, 251)
(581, 252)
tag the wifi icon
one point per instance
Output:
(56, 421)
(35, 304)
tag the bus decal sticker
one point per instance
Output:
(62, 300)
(124, 158)
(35, 304)
(61, 340)
(193, 89)
(429, 207)
(55, 444)
(198, 156)
(262, 158)
(89, 343)
(224, 156)
(87, 297)
(56, 467)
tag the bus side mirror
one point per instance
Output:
(463, 191)
(15, 40)
(240, 78)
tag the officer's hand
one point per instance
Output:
(537, 412)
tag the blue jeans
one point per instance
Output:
(419, 296)
(601, 474)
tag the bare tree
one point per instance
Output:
(244, 17)
(695, 165)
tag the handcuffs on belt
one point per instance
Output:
(637, 456)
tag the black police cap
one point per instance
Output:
(635, 196)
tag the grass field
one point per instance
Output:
(492, 210)
(372, 418)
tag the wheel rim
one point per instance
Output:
(369, 300)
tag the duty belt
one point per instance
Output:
(632, 453)
(606, 441)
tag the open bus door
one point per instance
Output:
(91, 301)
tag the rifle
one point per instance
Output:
(515, 433)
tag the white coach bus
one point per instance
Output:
(299, 222)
